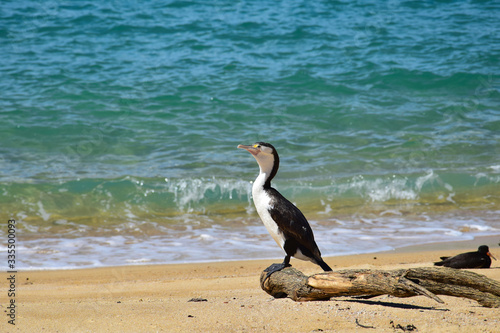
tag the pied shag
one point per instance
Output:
(284, 221)
(479, 259)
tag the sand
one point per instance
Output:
(157, 299)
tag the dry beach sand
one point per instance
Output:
(157, 299)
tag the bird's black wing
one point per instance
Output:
(474, 260)
(293, 223)
(464, 260)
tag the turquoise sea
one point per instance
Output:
(119, 123)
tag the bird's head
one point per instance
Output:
(485, 249)
(266, 156)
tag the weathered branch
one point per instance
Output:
(426, 281)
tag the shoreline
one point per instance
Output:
(491, 241)
(227, 296)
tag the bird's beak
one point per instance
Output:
(251, 149)
(489, 254)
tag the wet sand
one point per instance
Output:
(227, 298)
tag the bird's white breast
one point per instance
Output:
(262, 203)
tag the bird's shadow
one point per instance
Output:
(394, 305)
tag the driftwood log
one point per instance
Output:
(427, 281)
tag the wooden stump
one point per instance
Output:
(427, 281)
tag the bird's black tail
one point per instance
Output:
(323, 265)
(439, 263)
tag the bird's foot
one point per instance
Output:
(273, 269)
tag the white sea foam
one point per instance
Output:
(191, 191)
(379, 189)
(43, 214)
(250, 240)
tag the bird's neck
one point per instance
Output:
(260, 193)
(268, 169)
(261, 182)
